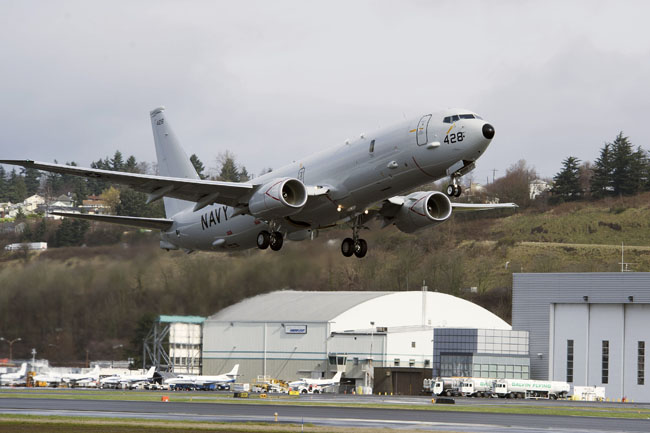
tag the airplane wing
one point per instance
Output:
(147, 223)
(470, 207)
(195, 190)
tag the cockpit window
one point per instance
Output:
(455, 118)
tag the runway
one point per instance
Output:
(321, 415)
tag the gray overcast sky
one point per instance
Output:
(275, 80)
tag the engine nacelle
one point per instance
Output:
(278, 198)
(422, 209)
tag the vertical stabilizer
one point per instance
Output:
(172, 160)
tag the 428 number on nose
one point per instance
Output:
(454, 137)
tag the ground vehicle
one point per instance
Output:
(521, 388)
(477, 387)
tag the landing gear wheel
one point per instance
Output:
(451, 190)
(276, 241)
(360, 248)
(263, 240)
(459, 191)
(347, 247)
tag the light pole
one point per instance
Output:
(11, 344)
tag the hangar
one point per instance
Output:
(293, 334)
(587, 328)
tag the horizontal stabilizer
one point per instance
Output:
(147, 223)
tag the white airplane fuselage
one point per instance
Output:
(359, 174)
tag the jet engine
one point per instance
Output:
(278, 198)
(422, 209)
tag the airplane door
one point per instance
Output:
(421, 134)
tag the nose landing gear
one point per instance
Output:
(453, 189)
(354, 245)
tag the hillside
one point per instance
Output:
(69, 300)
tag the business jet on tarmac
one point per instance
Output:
(76, 378)
(127, 381)
(221, 380)
(305, 385)
(15, 378)
(349, 184)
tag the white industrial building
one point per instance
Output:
(293, 334)
(587, 329)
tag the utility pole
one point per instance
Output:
(11, 345)
(494, 171)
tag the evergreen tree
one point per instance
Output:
(625, 175)
(132, 203)
(17, 188)
(198, 166)
(3, 185)
(71, 232)
(32, 181)
(567, 182)
(117, 162)
(601, 181)
(243, 175)
(96, 186)
(131, 165)
(229, 172)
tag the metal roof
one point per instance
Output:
(181, 319)
(294, 305)
(355, 311)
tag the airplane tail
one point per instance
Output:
(337, 377)
(172, 160)
(151, 371)
(23, 369)
(234, 371)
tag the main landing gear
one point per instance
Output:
(354, 245)
(273, 240)
(453, 189)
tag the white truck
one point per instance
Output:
(444, 385)
(477, 387)
(521, 388)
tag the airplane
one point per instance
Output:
(127, 381)
(50, 377)
(77, 378)
(350, 184)
(222, 381)
(316, 386)
(15, 378)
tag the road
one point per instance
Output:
(321, 415)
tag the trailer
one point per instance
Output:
(477, 387)
(521, 388)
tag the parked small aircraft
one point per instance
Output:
(15, 378)
(368, 177)
(127, 381)
(315, 385)
(76, 378)
(221, 381)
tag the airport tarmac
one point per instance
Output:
(438, 420)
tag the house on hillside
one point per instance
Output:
(95, 205)
(537, 187)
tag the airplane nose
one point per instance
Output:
(488, 131)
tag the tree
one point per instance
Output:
(625, 174)
(32, 181)
(567, 182)
(111, 197)
(131, 165)
(198, 166)
(229, 172)
(601, 181)
(515, 185)
(71, 232)
(243, 175)
(17, 188)
(3, 185)
(117, 162)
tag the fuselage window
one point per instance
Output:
(372, 146)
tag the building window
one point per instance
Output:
(356, 361)
(569, 361)
(396, 362)
(605, 361)
(640, 375)
(413, 344)
(372, 146)
(411, 362)
(427, 363)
